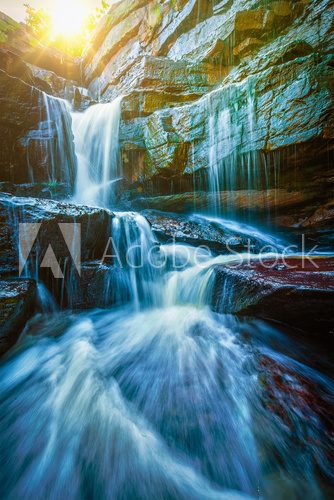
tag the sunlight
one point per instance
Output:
(67, 17)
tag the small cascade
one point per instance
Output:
(159, 397)
(237, 170)
(221, 173)
(96, 133)
(56, 140)
(136, 252)
(264, 239)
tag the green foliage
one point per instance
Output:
(6, 26)
(39, 20)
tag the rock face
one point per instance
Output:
(265, 74)
(82, 282)
(35, 127)
(36, 133)
(17, 302)
(296, 291)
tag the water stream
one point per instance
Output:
(55, 139)
(235, 161)
(97, 149)
(159, 397)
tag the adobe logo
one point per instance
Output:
(71, 232)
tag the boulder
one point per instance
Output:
(297, 291)
(17, 302)
(197, 230)
(49, 213)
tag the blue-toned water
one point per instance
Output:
(159, 397)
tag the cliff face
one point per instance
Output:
(234, 94)
(29, 73)
(234, 98)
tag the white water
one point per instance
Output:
(96, 134)
(159, 398)
(137, 253)
(268, 241)
(234, 157)
(56, 127)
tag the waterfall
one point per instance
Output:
(96, 133)
(236, 168)
(221, 171)
(159, 397)
(165, 402)
(56, 138)
(137, 254)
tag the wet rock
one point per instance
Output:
(252, 22)
(158, 82)
(61, 87)
(100, 285)
(19, 113)
(322, 216)
(49, 213)
(278, 116)
(296, 49)
(37, 143)
(15, 66)
(293, 290)
(116, 38)
(17, 302)
(48, 190)
(276, 101)
(119, 11)
(299, 403)
(28, 74)
(192, 230)
(246, 47)
(256, 201)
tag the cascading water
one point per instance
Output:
(96, 134)
(237, 169)
(136, 252)
(56, 138)
(164, 402)
(160, 397)
(220, 177)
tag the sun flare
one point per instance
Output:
(67, 17)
